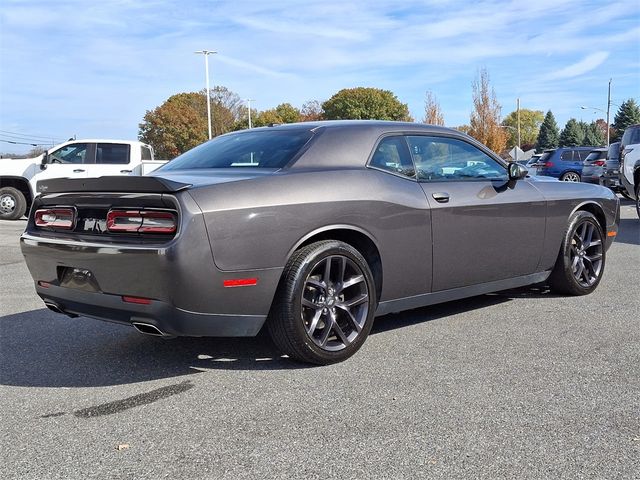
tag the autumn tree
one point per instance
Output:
(226, 109)
(530, 121)
(627, 114)
(176, 126)
(485, 117)
(548, 136)
(432, 111)
(366, 104)
(311, 111)
(572, 135)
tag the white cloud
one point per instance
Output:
(585, 65)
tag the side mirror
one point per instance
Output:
(517, 171)
(45, 160)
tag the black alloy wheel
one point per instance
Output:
(580, 264)
(325, 304)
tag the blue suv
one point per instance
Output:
(564, 163)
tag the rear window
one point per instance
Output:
(249, 149)
(596, 155)
(545, 156)
(112, 153)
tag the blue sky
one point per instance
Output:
(93, 68)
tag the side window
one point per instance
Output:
(567, 155)
(146, 153)
(76, 153)
(449, 159)
(392, 155)
(582, 154)
(112, 153)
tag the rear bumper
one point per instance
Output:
(185, 289)
(167, 318)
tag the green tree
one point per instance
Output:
(485, 117)
(627, 114)
(549, 136)
(176, 126)
(288, 113)
(572, 135)
(366, 104)
(530, 121)
(226, 109)
(593, 136)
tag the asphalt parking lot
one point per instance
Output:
(519, 384)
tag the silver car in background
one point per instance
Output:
(311, 230)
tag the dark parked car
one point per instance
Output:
(611, 176)
(564, 163)
(593, 166)
(311, 229)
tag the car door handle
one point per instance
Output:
(441, 197)
(126, 171)
(78, 170)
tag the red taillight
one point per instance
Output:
(548, 164)
(137, 300)
(141, 221)
(599, 163)
(62, 218)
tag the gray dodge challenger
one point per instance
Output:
(311, 230)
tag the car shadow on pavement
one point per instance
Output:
(42, 349)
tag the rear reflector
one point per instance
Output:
(61, 218)
(612, 234)
(141, 221)
(138, 300)
(43, 284)
(240, 282)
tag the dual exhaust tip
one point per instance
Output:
(144, 328)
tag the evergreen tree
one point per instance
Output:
(593, 135)
(627, 114)
(549, 137)
(572, 134)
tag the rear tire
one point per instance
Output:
(324, 307)
(570, 177)
(13, 205)
(581, 260)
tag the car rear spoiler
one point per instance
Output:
(115, 183)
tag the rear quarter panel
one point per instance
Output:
(258, 223)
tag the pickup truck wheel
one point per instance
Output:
(580, 263)
(13, 205)
(324, 306)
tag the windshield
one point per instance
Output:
(253, 149)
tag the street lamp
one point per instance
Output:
(249, 100)
(206, 54)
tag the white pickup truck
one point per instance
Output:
(72, 159)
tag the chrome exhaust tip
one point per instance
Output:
(54, 307)
(148, 329)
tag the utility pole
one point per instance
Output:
(518, 115)
(249, 100)
(608, 110)
(206, 54)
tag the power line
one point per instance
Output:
(7, 133)
(23, 143)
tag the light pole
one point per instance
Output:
(249, 100)
(206, 54)
(607, 111)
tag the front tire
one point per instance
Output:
(580, 264)
(325, 304)
(13, 205)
